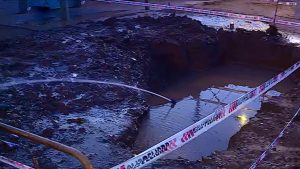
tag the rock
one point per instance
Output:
(206, 158)
(273, 31)
(47, 163)
(48, 132)
(76, 120)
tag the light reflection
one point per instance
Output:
(243, 119)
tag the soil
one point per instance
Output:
(250, 7)
(253, 139)
(103, 121)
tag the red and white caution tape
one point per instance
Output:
(204, 11)
(273, 144)
(14, 163)
(186, 135)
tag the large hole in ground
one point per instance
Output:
(205, 71)
(175, 56)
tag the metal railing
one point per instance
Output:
(52, 144)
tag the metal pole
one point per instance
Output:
(55, 145)
(275, 14)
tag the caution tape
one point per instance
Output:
(273, 144)
(186, 135)
(205, 11)
(14, 163)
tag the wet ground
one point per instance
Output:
(163, 120)
(108, 121)
(253, 139)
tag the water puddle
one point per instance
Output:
(90, 131)
(223, 22)
(164, 121)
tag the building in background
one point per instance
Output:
(25, 5)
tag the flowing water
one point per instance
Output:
(73, 80)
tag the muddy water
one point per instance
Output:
(205, 93)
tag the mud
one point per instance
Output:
(100, 121)
(252, 140)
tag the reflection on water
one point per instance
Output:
(243, 119)
(162, 122)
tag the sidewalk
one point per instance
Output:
(250, 7)
(13, 24)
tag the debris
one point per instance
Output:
(48, 132)
(74, 74)
(77, 120)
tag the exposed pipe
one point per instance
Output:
(55, 145)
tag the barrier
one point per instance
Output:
(14, 163)
(186, 135)
(263, 155)
(205, 11)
